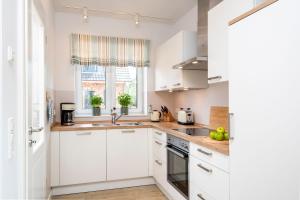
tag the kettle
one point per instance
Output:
(155, 116)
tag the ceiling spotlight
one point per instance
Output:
(137, 19)
(85, 14)
(195, 62)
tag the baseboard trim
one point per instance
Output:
(72, 189)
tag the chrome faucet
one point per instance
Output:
(114, 116)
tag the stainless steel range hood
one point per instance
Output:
(199, 62)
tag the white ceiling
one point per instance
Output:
(165, 9)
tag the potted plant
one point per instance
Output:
(96, 102)
(124, 100)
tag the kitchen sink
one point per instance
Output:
(117, 124)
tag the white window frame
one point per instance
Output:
(110, 80)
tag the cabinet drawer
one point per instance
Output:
(196, 193)
(217, 159)
(160, 135)
(210, 179)
(160, 171)
(159, 149)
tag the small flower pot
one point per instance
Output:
(124, 110)
(96, 111)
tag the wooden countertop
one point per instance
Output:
(219, 146)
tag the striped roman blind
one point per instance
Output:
(88, 50)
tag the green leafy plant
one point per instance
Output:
(96, 101)
(125, 100)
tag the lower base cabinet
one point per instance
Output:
(82, 157)
(127, 154)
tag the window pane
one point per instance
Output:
(126, 82)
(93, 83)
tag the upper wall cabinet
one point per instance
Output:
(177, 49)
(218, 19)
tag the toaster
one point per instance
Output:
(185, 116)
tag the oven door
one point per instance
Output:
(177, 169)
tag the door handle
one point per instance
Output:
(157, 162)
(158, 133)
(200, 197)
(204, 152)
(205, 169)
(230, 116)
(87, 133)
(129, 131)
(175, 152)
(214, 77)
(35, 130)
(158, 143)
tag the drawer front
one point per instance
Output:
(159, 150)
(217, 159)
(210, 179)
(196, 193)
(160, 171)
(160, 135)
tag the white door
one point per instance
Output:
(36, 154)
(264, 97)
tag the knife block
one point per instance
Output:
(168, 117)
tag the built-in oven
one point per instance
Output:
(178, 164)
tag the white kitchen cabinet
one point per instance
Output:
(82, 157)
(127, 153)
(218, 18)
(264, 89)
(54, 158)
(177, 49)
(209, 179)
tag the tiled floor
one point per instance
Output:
(150, 192)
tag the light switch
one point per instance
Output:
(10, 54)
(11, 135)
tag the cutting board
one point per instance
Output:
(218, 117)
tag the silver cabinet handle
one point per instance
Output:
(175, 152)
(177, 84)
(81, 134)
(204, 168)
(35, 130)
(158, 133)
(230, 116)
(214, 77)
(158, 143)
(204, 152)
(128, 131)
(159, 163)
(200, 197)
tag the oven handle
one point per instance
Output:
(176, 152)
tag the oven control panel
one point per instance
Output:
(178, 142)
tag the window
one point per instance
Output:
(109, 82)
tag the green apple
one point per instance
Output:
(220, 130)
(226, 136)
(219, 136)
(212, 134)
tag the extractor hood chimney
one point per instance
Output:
(199, 62)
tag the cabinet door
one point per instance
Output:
(161, 69)
(127, 154)
(218, 19)
(82, 157)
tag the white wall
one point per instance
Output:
(67, 23)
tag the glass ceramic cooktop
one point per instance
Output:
(194, 131)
